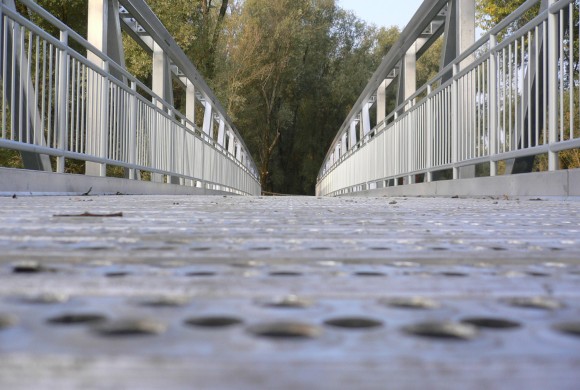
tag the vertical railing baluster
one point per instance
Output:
(62, 101)
(132, 131)
(4, 53)
(552, 81)
(104, 134)
(493, 106)
(571, 68)
(454, 121)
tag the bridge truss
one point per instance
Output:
(494, 106)
(68, 98)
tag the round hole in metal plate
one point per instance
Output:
(491, 322)
(538, 274)
(130, 327)
(7, 320)
(353, 322)
(286, 330)
(117, 274)
(570, 328)
(201, 273)
(535, 303)
(166, 301)
(77, 318)
(98, 248)
(369, 273)
(454, 274)
(213, 321)
(442, 330)
(27, 267)
(287, 302)
(285, 273)
(411, 303)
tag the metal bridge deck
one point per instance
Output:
(289, 292)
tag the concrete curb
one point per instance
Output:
(562, 184)
(25, 182)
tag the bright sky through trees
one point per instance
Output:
(383, 12)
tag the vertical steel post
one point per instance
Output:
(97, 36)
(190, 114)
(429, 135)
(366, 119)
(190, 102)
(455, 121)
(155, 177)
(203, 176)
(161, 75)
(408, 75)
(104, 139)
(208, 119)
(465, 28)
(132, 129)
(221, 132)
(160, 85)
(238, 151)
(231, 144)
(493, 106)
(173, 151)
(352, 141)
(552, 85)
(4, 56)
(62, 102)
(465, 22)
(382, 102)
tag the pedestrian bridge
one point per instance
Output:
(368, 290)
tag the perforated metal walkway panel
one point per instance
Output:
(288, 293)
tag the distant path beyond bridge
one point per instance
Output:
(288, 292)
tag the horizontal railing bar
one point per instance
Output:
(521, 153)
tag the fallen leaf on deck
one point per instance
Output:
(87, 214)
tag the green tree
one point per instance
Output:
(197, 27)
(292, 71)
(491, 12)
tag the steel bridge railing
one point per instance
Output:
(514, 93)
(56, 102)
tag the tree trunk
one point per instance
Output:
(265, 161)
(210, 61)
